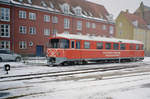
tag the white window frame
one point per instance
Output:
(22, 29)
(22, 44)
(104, 27)
(46, 18)
(47, 32)
(22, 14)
(32, 16)
(93, 25)
(66, 23)
(88, 24)
(54, 33)
(111, 29)
(79, 25)
(66, 8)
(66, 32)
(32, 30)
(6, 31)
(6, 44)
(4, 14)
(78, 11)
(54, 19)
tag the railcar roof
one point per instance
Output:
(96, 38)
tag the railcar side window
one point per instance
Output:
(122, 46)
(131, 47)
(87, 45)
(116, 46)
(100, 45)
(64, 43)
(72, 44)
(137, 47)
(78, 44)
(142, 47)
(108, 45)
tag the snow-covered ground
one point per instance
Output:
(133, 83)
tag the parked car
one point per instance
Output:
(7, 55)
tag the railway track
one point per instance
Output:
(64, 73)
(115, 83)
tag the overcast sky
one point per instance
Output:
(115, 6)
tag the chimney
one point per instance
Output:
(127, 10)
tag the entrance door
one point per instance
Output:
(39, 50)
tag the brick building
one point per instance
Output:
(26, 25)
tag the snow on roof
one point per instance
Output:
(96, 38)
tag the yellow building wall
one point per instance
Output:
(124, 28)
(144, 36)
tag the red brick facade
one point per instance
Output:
(39, 38)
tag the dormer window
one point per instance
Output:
(51, 5)
(30, 1)
(65, 8)
(43, 4)
(78, 11)
(20, 0)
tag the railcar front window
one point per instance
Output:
(59, 43)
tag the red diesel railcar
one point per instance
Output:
(80, 49)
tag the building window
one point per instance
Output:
(100, 45)
(108, 46)
(122, 47)
(31, 43)
(32, 16)
(79, 25)
(54, 33)
(47, 32)
(87, 24)
(4, 44)
(86, 45)
(4, 14)
(22, 45)
(66, 8)
(111, 29)
(120, 24)
(115, 46)
(22, 14)
(66, 23)
(46, 18)
(32, 30)
(4, 30)
(22, 29)
(93, 25)
(78, 11)
(104, 27)
(66, 32)
(54, 19)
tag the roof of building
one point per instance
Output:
(96, 38)
(88, 8)
(132, 18)
(144, 12)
